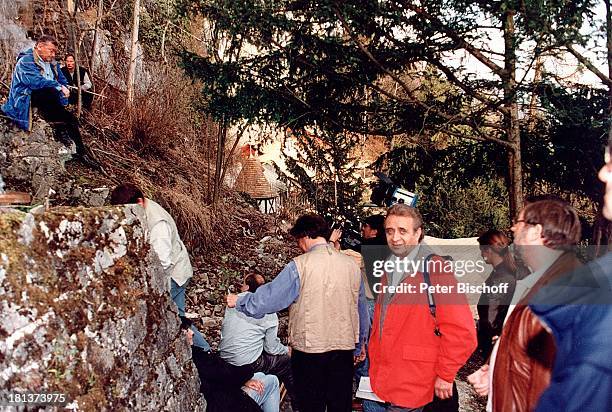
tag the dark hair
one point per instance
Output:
(560, 223)
(546, 196)
(125, 193)
(497, 242)
(311, 226)
(185, 323)
(254, 281)
(376, 222)
(46, 38)
(69, 54)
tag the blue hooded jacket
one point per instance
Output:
(578, 311)
(28, 76)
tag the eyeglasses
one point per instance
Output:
(517, 221)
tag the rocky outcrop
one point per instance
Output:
(34, 160)
(84, 311)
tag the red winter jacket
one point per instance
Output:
(406, 355)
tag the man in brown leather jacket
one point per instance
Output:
(545, 233)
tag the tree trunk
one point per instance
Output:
(513, 130)
(96, 38)
(219, 161)
(133, 52)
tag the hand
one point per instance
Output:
(65, 91)
(359, 358)
(254, 384)
(480, 380)
(231, 300)
(443, 389)
(336, 234)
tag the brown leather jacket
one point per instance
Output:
(526, 350)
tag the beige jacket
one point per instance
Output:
(324, 317)
(180, 269)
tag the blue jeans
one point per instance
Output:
(269, 400)
(371, 406)
(178, 296)
(363, 368)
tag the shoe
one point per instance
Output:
(63, 137)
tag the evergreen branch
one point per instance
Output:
(495, 68)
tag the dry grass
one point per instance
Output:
(168, 149)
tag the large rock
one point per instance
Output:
(33, 160)
(84, 310)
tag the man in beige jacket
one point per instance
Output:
(327, 316)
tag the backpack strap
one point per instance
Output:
(430, 297)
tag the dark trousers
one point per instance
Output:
(86, 98)
(323, 380)
(279, 365)
(50, 108)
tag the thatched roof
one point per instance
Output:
(252, 181)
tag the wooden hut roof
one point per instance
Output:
(252, 181)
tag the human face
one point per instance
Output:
(605, 175)
(402, 236)
(485, 253)
(367, 232)
(527, 236)
(46, 51)
(70, 63)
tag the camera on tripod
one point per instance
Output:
(386, 193)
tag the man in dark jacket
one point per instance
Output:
(578, 312)
(231, 388)
(545, 235)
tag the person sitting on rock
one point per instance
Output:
(39, 82)
(250, 341)
(70, 73)
(227, 387)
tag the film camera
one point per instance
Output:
(386, 193)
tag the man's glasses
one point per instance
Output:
(517, 221)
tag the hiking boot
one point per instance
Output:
(63, 137)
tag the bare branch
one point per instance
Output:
(587, 63)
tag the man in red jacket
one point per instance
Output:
(416, 348)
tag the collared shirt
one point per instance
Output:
(285, 289)
(521, 290)
(243, 338)
(397, 275)
(48, 73)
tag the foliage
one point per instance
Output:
(325, 64)
(325, 170)
(461, 191)
(565, 150)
